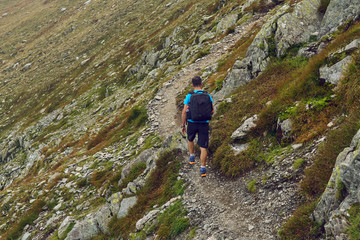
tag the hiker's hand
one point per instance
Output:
(183, 130)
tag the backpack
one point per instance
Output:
(200, 106)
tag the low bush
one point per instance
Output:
(301, 226)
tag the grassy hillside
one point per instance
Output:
(76, 79)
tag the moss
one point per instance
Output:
(341, 191)
(298, 163)
(252, 186)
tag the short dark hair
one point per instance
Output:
(196, 81)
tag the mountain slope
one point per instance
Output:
(90, 98)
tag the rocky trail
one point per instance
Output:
(164, 116)
(225, 209)
(219, 207)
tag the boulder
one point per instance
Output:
(336, 72)
(283, 130)
(239, 76)
(147, 218)
(64, 225)
(226, 22)
(125, 206)
(332, 207)
(337, 13)
(85, 229)
(114, 202)
(245, 128)
(102, 218)
(297, 26)
(206, 36)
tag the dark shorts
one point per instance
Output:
(202, 129)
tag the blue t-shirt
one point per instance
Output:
(187, 102)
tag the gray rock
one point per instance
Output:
(102, 218)
(64, 225)
(284, 129)
(239, 76)
(337, 13)
(26, 236)
(27, 66)
(114, 202)
(297, 26)
(125, 206)
(226, 22)
(244, 129)
(149, 217)
(309, 50)
(331, 210)
(354, 45)
(206, 36)
(85, 229)
(335, 73)
(238, 148)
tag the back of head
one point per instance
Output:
(196, 81)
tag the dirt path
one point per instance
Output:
(164, 116)
(223, 208)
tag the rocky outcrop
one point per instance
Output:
(297, 26)
(342, 191)
(288, 26)
(337, 13)
(226, 22)
(334, 73)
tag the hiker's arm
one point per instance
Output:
(183, 115)
(212, 112)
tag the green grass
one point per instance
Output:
(317, 175)
(353, 231)
(161, 186)
(172, 222)
(298, 163)
(133, 174)
(251, 186)
(28, 218)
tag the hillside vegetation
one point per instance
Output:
(90, 98)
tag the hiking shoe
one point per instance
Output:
(191, 160)
(203, 172)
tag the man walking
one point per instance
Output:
(198, 109)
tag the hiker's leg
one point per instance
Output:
(203, 156)
(191, 147)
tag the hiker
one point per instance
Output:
(198, 109)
